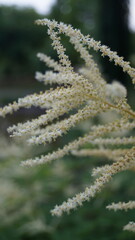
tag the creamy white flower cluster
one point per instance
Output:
(130, 227)
(122, 206)
(88, 94)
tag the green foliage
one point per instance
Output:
(20, 39)
(81, 14)
(30, 194)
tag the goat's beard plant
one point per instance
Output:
(88, 93)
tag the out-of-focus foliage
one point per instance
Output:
(114, 32)
(20, 39)
(27, 195)
(81, 14)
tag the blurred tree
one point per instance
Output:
(81, 14)
(114, 32)
(20, 40)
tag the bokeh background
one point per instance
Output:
(27, 195)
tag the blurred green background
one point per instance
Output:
(27, 195)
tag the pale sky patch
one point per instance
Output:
(41, 6)
(44, 6)
(132, 15)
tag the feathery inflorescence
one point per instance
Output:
(88, 94)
